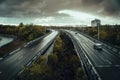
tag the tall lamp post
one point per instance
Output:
(0, 41)
(98, 25)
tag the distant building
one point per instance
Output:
(95, 22)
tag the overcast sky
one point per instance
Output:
(59, 12)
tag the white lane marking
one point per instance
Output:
(0, 72)
(117, 65)
(105, 66)
(108, 61)
(39, 53)
(20, 72)
(34, 57)
(101, 66)
(29, 63)
(11, 53)
(32, 49)
(25, 45)
(20, 57)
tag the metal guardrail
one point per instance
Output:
(40, 53)
(87, 65)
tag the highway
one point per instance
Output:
(105, 63)
(12, 65)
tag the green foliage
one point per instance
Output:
(21, 24)
(23, 32)
(79, 74)
(74, 60)
(42, 58)
(103, 35)
(59, 45)
(35, 69)
(30, 37)
(52, 59)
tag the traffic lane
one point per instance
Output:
(109, 57)
(14, 68)
(109, 73)
(92, 54)
(109, 51)
(114, 59)
(106, 72)
(105, 59)
(21, 58)
(105, 56)
(102, 56)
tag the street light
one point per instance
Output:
(0, 41)
(98, 25)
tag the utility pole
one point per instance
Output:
(45, 29)
(83, 29)
(98, 25)
(0, 41)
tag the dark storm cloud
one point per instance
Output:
(92, 2)
(112, 7)
(35, 8)
(19, 8)
(103, 7)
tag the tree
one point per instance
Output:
(21, 24)
(103, 35)
(59, 45)
(30, 37)
(52, 60)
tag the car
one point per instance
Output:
(76, 33)
(97, 46)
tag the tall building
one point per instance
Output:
(95, 22)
